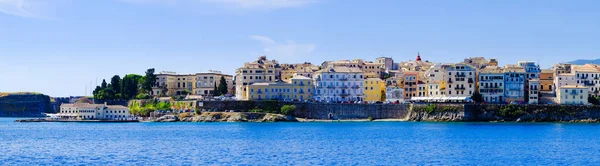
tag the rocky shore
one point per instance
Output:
(228, 117)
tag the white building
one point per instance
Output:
(436, 85)
(339, 83)
(460, 79)
(534, 91)
(514, 83)
(491, 84)
(394, 94)
(589, 76)
(85, 111)
(572, 94)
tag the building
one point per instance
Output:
(534, 91)
(339, 84)
(532, 70)
(477, 62)
(589, 76)
(561, 68)
(491, 84)
(303, 69)
(514, 83)
(417, 65)
(86, 111)
(460, 79)
(388, 63)
(409, 82)
(546, 81)
(572, 94)
(259, 71)
(493, 62)
(373, 70)
(374, 89)
(394, 94)
(299, 88)
(206, 82)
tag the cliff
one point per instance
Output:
(24, 105)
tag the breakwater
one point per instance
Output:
(419, 112)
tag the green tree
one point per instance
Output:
(163, 106)
(107, 94)
(129, 86)
(478, 98)
(96, 91)
(594, 100)
(287, 109)
(103, 85)
(149, 80)
(216, 91)
(115, 84)
(222, 86)
(383, 95)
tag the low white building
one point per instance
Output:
(491, 88)
(339, 83)
(572, 94)
(85, 111)
(534, 91)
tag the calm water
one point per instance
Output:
(382, 143)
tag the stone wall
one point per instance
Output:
(25, 105)
(315, 110)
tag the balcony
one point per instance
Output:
(491, 90)
(343, 79)
(460, 75)
(355, 87)
(470, 81)
(459, 88)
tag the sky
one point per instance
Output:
(62, 47)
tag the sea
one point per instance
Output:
(314, 143)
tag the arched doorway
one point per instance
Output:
(330, 116)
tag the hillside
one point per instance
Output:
(585, 61)
(24, 104)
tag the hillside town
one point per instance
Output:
(476, 79)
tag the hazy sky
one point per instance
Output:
(58, 47)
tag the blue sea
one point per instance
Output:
(345, 143)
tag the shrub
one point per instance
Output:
(143, 96)
(197, 111)
(430, 108)
(287, 109)
(256, 109)
(370, 118)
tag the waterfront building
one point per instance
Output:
(564, 79)
(298, 88)
(394, 94)
(532, 70)
(491, 84)
(86, 111)
(374, 89)
(546, 81)
(534, 91)
(436, 84)
(460, 79)
(572, 94)
(339, 84)
(409, 82)
(259, 71)
(422, 90)
(206, 82)
(589, 76)
(514, 83)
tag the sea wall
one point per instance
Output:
(314, 110)
(503, 112)
(24, 105)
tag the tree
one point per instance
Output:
(115, 84)
(103, 84)
(95, 93)
(478, 98)
(149, 80)
(288, 109)
(129, 86)
(216, 91)
(383, 95)
(222, 86)
(594, 100)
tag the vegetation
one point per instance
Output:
(476, 97)
(256, 109)
(222, 88)
(594, 100)
(370, 118)
(136, 108)
(197, 111)
(288, 109)
(511, 111)
(383, 95)
(129, 87)
(430, 108)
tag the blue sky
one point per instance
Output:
(58, 47)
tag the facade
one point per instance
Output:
(460, 79)
(532, 70)
(339, 84)
(564, 79)
(173, 84)
(409, 82)
(572, 94)
(514, 83)
(546, 81)
(388, 63)
(493, 62)
(417, 65)
(206, 82)
(422, 90)
(304, 69)
(259, 71)
(534, 91)
(394, 94)
(491, 84)
(589, 76)
(436, 84)
(299, 88)
(85, 111)
(374, 89)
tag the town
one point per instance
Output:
(475, 79)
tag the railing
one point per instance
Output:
(460, 88)
(343, 79)
(460, 75)
(356, 87)
(491, 90)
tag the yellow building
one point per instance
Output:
(299, 88)
(546, 80)
(374, 89)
